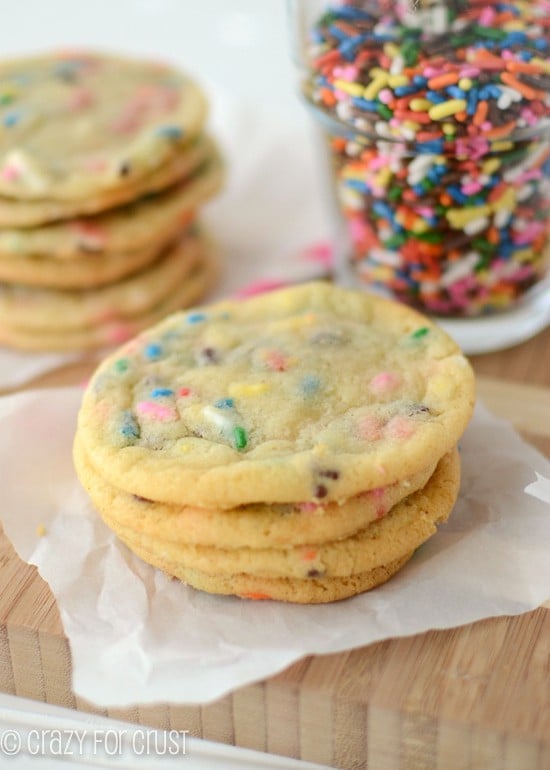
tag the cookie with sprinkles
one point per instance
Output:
(256, 526)
(304, 572)
(148, 221)
(93, 251)
(129, 314)
(76, 123)
(311, 393)
(29, 213)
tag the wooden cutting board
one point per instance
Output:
(472, 698)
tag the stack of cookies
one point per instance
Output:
(297, 446)
(104, 164)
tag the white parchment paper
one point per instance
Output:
(138, 637)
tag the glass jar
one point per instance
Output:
(436, 118)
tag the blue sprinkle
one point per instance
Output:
(472, 101)
(153, 351)
(383, 210)
(412, 88)
(11, 119)
(456, 92)
(196, 318)
(160, 392)
(515, 37)
(357, 184)
(435, 97)
(310, 384)
(525, 55)
(541, 44)
(129, 427)
(224, 403)
(457, 194)
(434, 147)
(170, 132)
(365, 104)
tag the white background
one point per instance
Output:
(240, 44)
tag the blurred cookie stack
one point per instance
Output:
(104, 165)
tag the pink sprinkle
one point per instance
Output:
(385, 382)
(80, 99)
(529, 233)
(385, 96)
(370, 428)
(276, 361)
(93, 234)
(320, 253)
(10, 173)
(119, 333)
(349, 73)
(157, 411)
(471, 188)
(486, 17)
(399, 427)
(307, 507)
(261, 287)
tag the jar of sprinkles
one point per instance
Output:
(436, 116)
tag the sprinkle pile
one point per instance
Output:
(439, 120)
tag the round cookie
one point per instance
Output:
(249, 526)
(410, 523)
(148, 222)
(87, 272)
(306, 394)
(314, 590)
(76, 123)
(29, 213)
(62, 310)
(111, 333)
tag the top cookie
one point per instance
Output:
(309, 393)
(77, 123)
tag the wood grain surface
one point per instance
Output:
(472, 698)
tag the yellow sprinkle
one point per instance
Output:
(420, 105)
(448, 129)
(184, 448)
(391, 50)
(501, 146)
(237, 389)
(41, 530)
(383, 178)
(458, 218)
(375, 86)
(525, 255)
(545, 65)
(490, 166)
(446, 109)
(412, 125)
(420, 226)
(507, 201)
(465, 84)
(394, 81)
(354, 89)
